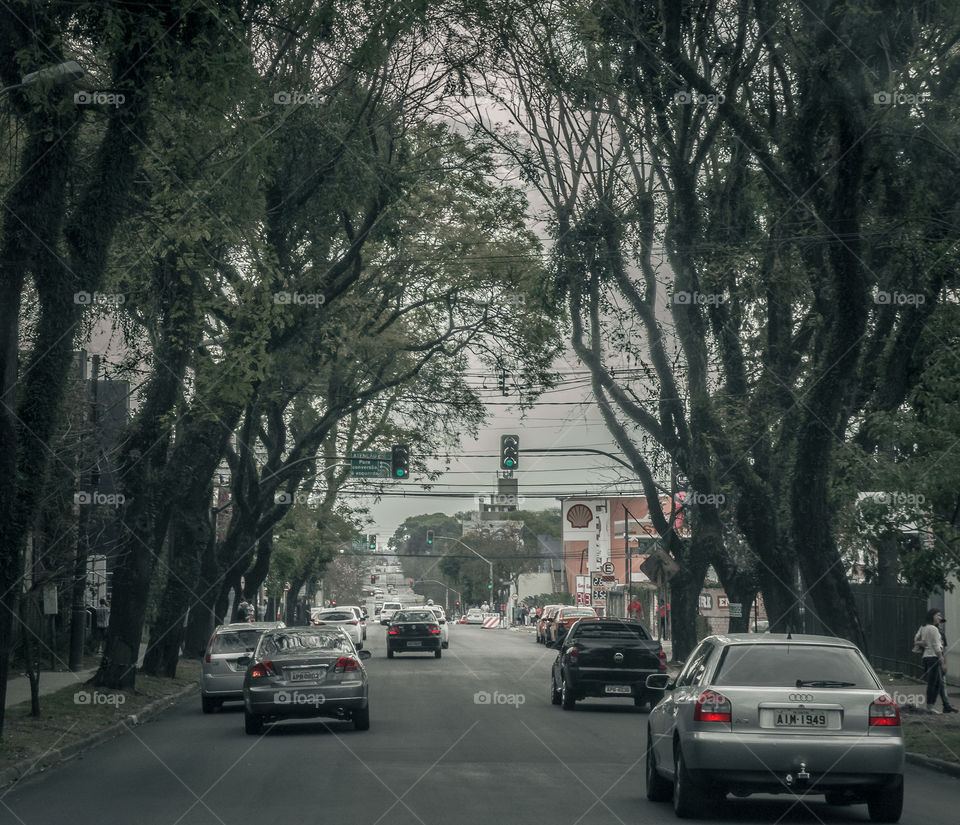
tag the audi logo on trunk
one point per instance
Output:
(618, 657)
(800, 697)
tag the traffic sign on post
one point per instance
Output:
(370, 464)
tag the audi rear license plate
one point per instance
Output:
(414, 644)
(799, 719)
(625, 690)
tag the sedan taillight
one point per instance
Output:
(712, 707)
(663, 659)
(393, 631)
(263, 669)
(354, 622)
(884, 712)
(345, 664)
(573, 655)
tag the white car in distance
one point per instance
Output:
(343, 617)
(387, 611)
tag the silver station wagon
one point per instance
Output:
(775, 713)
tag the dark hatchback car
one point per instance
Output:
(414, 631)
(609, 658)
(302, 672)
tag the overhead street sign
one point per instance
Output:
(370, 464)
(660, 566)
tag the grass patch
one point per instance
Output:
(934, 739)
(75, 713)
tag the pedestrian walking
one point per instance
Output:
(103, 622)
(934, 662)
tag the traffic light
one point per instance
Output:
(489, 587)
(373, 578)
(400, 461)
(509, 452)
(411, 582)
(429, 537)
(371, 542)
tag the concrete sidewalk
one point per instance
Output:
(18, 687)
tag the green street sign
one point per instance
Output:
(370, 464)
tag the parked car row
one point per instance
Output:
(557, 619)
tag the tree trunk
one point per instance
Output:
(189, 530)
(203, 614)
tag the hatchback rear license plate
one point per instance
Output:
(799, 719)
(414, 644)
(624, 689)
(306, 675)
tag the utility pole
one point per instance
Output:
(89, 480)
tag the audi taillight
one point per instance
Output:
(209, 648)
(663, 659)
(262, 669)
(884, 712)
(345, 664)
(712, 707)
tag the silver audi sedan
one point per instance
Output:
(775, 713)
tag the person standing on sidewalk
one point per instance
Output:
(947, 707)
(934, 662)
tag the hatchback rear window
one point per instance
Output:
(236, 641)
(786, 665)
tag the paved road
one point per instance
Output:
(433, 755)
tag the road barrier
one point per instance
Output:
(491, 621)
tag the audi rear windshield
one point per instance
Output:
(236, 641)
(786, 665)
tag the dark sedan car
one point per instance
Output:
(606, 658)
(303, 672)
(414, 631)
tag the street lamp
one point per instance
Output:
(447, 586)
(65, 72)
(453, 538)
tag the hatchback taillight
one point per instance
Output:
(573, 655)
(712, 707)
(435, 629)
(884, 712)
(393, 631)
(262, 669)
(209, 648)
(345, 664)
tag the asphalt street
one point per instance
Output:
(470, 739)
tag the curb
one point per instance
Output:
(933, 764)
(11, 776)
